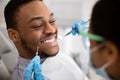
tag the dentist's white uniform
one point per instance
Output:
(59, 67)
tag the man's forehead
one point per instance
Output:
(39, 17)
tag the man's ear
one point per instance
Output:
(13, 34)
(112, 52)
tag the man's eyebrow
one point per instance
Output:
(38, 18)
(35, 18)
(52, 14)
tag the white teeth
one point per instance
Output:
(50, 40)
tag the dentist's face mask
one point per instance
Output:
(101, 70)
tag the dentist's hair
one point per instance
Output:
(11, 10)
(105, 20)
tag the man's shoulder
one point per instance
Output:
(64, 56)
(61, 59)
(62, 65)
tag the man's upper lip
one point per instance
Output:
(48, 38)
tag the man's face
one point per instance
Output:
(37, 28)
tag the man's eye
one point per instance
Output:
(38, 26)
(52, 22)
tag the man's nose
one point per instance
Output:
(49, 28)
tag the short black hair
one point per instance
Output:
(105, 20)
(10, 11)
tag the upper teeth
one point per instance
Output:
(50, 40)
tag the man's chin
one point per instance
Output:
(53, 54)
(45, 55)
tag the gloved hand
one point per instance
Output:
(34, 70)
(77, 26)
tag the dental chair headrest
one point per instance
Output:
(5, 45)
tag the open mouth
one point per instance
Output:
(49, 40)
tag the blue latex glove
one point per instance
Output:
(33, 67)
(81, 28)
(76, 26)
